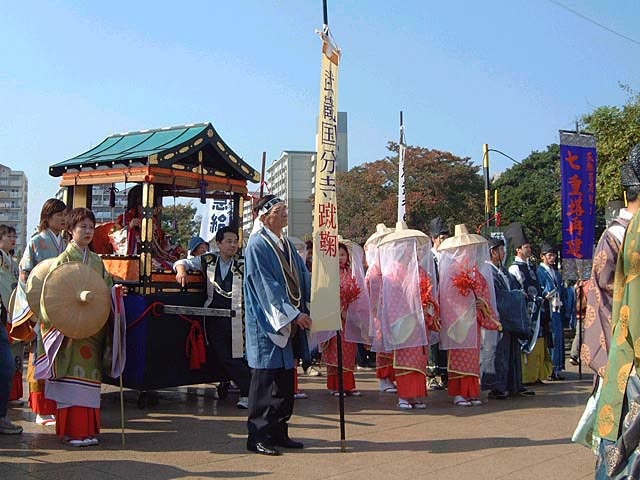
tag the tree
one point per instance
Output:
(437, 184)
(530, 194)
(617, 130)
(180, 223)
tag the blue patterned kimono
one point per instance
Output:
(269, 310)
(551, 280)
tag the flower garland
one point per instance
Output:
(349, 291)
(466, 280)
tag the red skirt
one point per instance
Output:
(467, 386)
(41, 405)
(384, 366)
(78, 422)
(16, 387)
(411, 385)
(348, 380)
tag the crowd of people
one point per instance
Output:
(439, 311)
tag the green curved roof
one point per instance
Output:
(163, 147)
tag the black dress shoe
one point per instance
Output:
(526, 393)
(288, 443)
(262, 448)
(498, 395)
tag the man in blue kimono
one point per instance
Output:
(553, 293)
(503, 377)
(277, 290)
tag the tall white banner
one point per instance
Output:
(325, 280)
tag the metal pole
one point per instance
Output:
(343, 441)
(325, 15)
(487, 191)
(580, 320)
(264, 165)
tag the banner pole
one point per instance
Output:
(262, 173)
(487, 191)
(343, 441)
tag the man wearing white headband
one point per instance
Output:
(277, 291)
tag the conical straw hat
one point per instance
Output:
(461, 238)
(381, 231)
(402, 232)
(34, 284)
(76, 300)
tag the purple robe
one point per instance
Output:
(594, 350)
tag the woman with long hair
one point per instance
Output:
(49, 242)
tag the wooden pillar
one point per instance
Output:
(81, 196)
(238, 210)
(146, 235)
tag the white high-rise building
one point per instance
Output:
(14, 190)
(291, 177)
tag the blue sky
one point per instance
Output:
(507, 73)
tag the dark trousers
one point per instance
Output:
(7, 368)
(508, 365)
(218, 332)
(270, 404)
(438, 360)
(557, 351)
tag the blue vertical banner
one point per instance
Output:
(578, 168)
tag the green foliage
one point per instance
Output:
(437, 184)
(187, 223)
(617, 130)
(529, 193)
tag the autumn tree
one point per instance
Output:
(180, 222)
(437, 184)
(617, 130)
(530, 194)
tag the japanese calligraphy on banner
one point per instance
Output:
(578, 165)
(325, 280)
(217, 214)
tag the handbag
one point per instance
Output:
(514, 316)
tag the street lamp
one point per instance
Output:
(487, 185)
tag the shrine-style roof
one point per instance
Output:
(172, 147)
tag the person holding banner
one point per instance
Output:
(277, 290)
(223, 273)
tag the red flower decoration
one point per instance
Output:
(349, 291)
(425, 290)
(430, 307)
(465, 280)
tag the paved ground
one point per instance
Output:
(190, 434)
